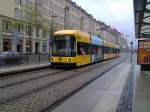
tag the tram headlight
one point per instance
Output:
(68, 60)
(53, 59)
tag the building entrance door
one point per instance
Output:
(19, 46)
(7, 45)
(37, 47)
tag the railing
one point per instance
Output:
(22, 59)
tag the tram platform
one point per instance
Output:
(22, 68)
(102, 95)
(141, 101)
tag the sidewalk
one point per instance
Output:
(141, 102)
(102, 95)
(22, 68)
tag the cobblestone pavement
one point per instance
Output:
(125, 103)
(17, 90)
(11, 80)
(45, 97)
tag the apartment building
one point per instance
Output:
(20, 29)
(27, 25)
(65, 14)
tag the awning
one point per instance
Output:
(142, 18)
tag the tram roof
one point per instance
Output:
(72, 32)
(142, 18)
(106, 44)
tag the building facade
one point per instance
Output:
(21, 27)
(27, 25)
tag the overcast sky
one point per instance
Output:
(117, 13)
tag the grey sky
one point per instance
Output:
(117, 13)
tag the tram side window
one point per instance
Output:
(106, 50)
(113, 50)
(94, 49)
(83, 48)
(117, 51)
(110, 50)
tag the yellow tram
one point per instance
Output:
(71, 47)
(77, 48)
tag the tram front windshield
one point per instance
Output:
(63, 46)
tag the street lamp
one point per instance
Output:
(52, 24)
(66, 16)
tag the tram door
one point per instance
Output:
(83, 53)
(96, 53)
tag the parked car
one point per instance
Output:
(10, 58)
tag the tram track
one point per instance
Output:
(53, 83)
(25, 77)
(35, 77)
(24, 90)
(2, 77)
(23, 72)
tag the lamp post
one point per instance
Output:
(1, 40)
(51, 32)
(131, 43)
(82, 23)
(100, 29)
(66, 16)
(30, 34)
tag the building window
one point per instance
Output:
(6, 26)
(19, 46)
(37, 32)
(28, 2)
(28, 15)
(18, 13)
(28, 46)
(44, 47)
(21, 14)
(45, 34)
(19, 28)
(28, 30)
(19, 2)
(7, 45)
